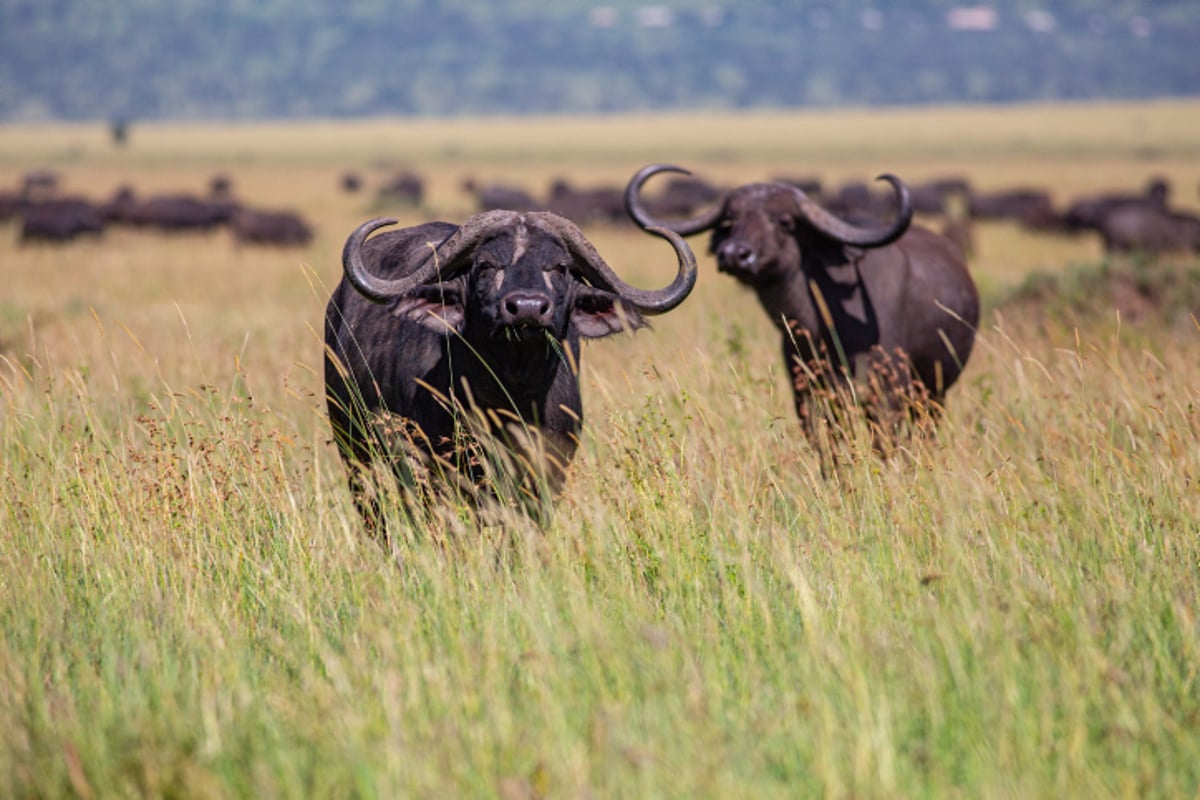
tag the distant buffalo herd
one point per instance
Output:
(1125, 221)
(46, 215)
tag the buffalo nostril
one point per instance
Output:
(737, 254)
(526, 307)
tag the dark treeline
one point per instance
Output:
(148, 59)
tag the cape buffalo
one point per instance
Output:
(282, 228)
(405, 189)
(178, 212)
(892, 307)
(60, 220)
(1088, 212)
(936, 196)
(595, 205)
(1028, 207)
(858, 202)
(1143, 228)
(450, 349)
(497, 196)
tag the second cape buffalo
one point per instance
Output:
(451, 348)
(888, 309)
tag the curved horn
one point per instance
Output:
(846, 233)
(649, 301)
(441, 259)
(366, 284)
(686, 227)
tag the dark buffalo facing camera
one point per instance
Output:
(451, 348)
(891, 308)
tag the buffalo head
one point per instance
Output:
(509, 279)
(484, 317)
(760, 230)
(891, 307)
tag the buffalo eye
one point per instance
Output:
(594, 303)
(786, 223)
(437, 306)
(444, 294)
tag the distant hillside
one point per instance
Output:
(74, 59)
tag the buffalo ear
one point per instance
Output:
(437, 306)
(598, 313)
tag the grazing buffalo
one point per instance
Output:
(858, 200)
(1087, 213)
(402, 189)
(496, 196)
(60, 220)
(451, 349)
(1144, 228)
(280, 228)
(938, 195)
(179, 212)
(600, 204)
(116, 208)
(1028, 207)
(891, 307)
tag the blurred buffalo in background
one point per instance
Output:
(282, 228)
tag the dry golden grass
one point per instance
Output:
(188, 605)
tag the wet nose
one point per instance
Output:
(736, 254)
(525, 308)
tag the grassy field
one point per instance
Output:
(189, 606)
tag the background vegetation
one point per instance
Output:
(188, 606)
(195, 59)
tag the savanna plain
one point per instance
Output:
(189, 606)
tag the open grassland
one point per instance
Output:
(189, 606)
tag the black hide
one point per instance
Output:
(456, 372)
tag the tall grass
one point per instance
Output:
(189, 605)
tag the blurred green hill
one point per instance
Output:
(243, 59)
